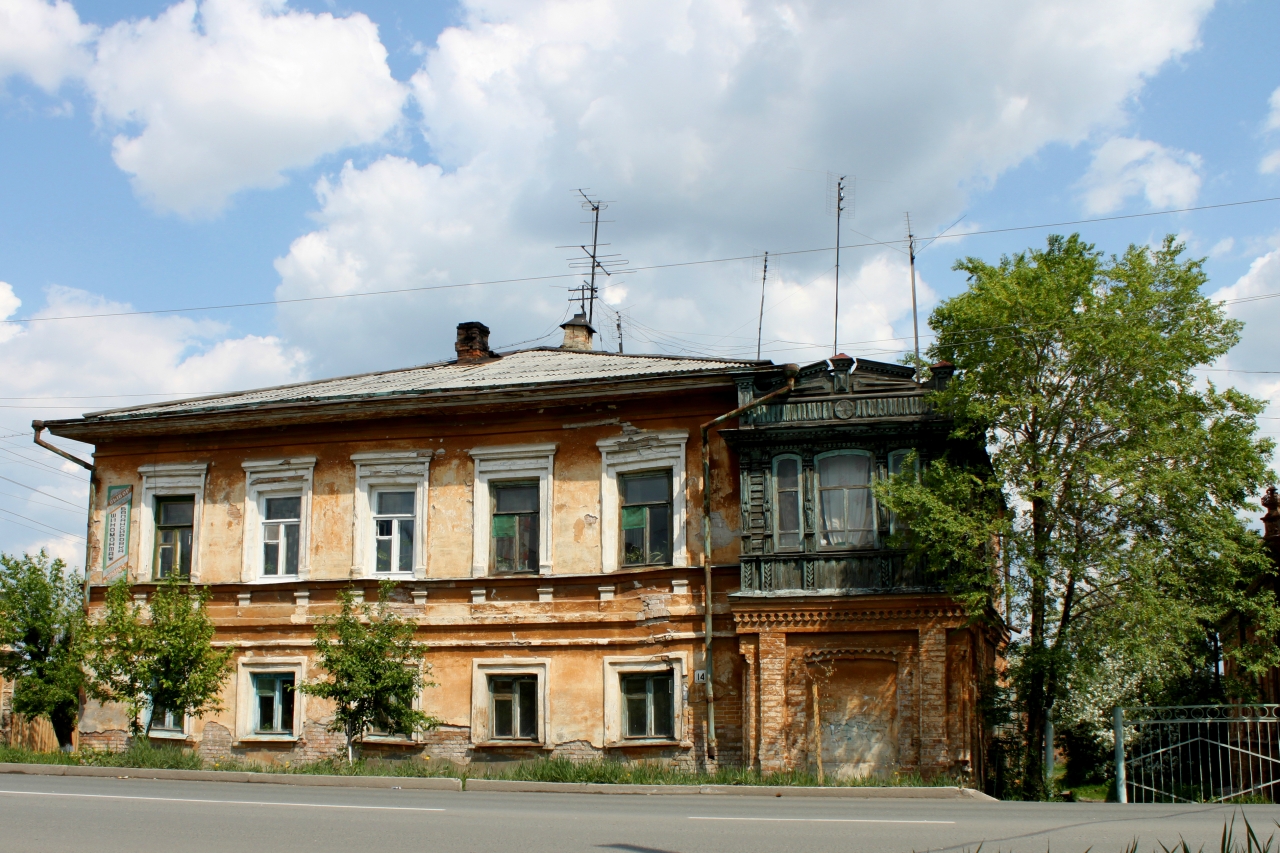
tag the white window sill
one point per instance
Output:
(272, 579)
(167, 735)
(269, 739)
(390, 740)
(513, 743)
(647, 742)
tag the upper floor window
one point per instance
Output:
(175, 519)
(787, 516)
(514, 535)
(281, 532)
(846, 510)
(393, 522)
(898, 464)
(646, 518)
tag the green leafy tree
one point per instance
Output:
(42, 622)
(166, 661)
(375, 669)
(1118, 478)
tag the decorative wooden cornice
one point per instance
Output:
(809, 619)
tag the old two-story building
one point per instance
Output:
(541, 513)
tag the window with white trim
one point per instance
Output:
(646, 518)
(640, 453)
(846, 507)
(390, 513)
(509, 704)
(175, 536)
(513, 707)
(499, 546)
(281, 531)
(645, 699)
(277, 518)
(167, 723)
(179, 486)
(273, 703)
(788, 504)
(648, 704)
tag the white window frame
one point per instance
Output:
(169, 734)
(511, 462)
(481, 669)
(643, 451)
(406, 470)
(168, 479)
(246, 696)
(276, 478)
(617, 666)
(413, 737)
(871, 492)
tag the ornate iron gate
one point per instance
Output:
(1197, 753)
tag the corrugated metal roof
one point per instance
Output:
(525, 368)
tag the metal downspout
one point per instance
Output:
(38, 427)
(791, 370)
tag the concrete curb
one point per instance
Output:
(848, 793)
(443, 783)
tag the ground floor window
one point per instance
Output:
(164, 721)
(274, 711)
(648, 706)
(513, 708)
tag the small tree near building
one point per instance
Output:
(375, 670)
(42, 624)
(166, 662)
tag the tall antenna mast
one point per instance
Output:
(835, 335)
(619, 333)
(915, 319)
(594, 261)
(760, 326)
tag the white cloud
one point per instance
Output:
(60, 370)
(43, 41)
(689, 115)
(1255, 355)
(226, 95)
(1124, 167)
(1271, 162)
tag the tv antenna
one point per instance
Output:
(835, 204)
(915, 319)
(764, 277)
(588, 292)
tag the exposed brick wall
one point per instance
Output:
(772, 650)
(112, 741)
(933, 699)
(215, 742)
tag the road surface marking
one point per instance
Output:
(825, 819)
(218, 802)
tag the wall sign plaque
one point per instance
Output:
(116, 548)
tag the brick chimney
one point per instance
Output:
(577, 333)
(473, 342)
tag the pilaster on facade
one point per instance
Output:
(772, 648)
(933, 698)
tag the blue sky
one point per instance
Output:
(166, 156)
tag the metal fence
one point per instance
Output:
(1197, 753)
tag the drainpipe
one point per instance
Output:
(791, 370)
(38, 427)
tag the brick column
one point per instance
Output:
(933, 699)
(750, 710)
(772, 663)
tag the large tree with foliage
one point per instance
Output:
(42, 623)
(374, 669)
(1118, 477)
(161, 660)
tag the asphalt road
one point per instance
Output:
(88, 815)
